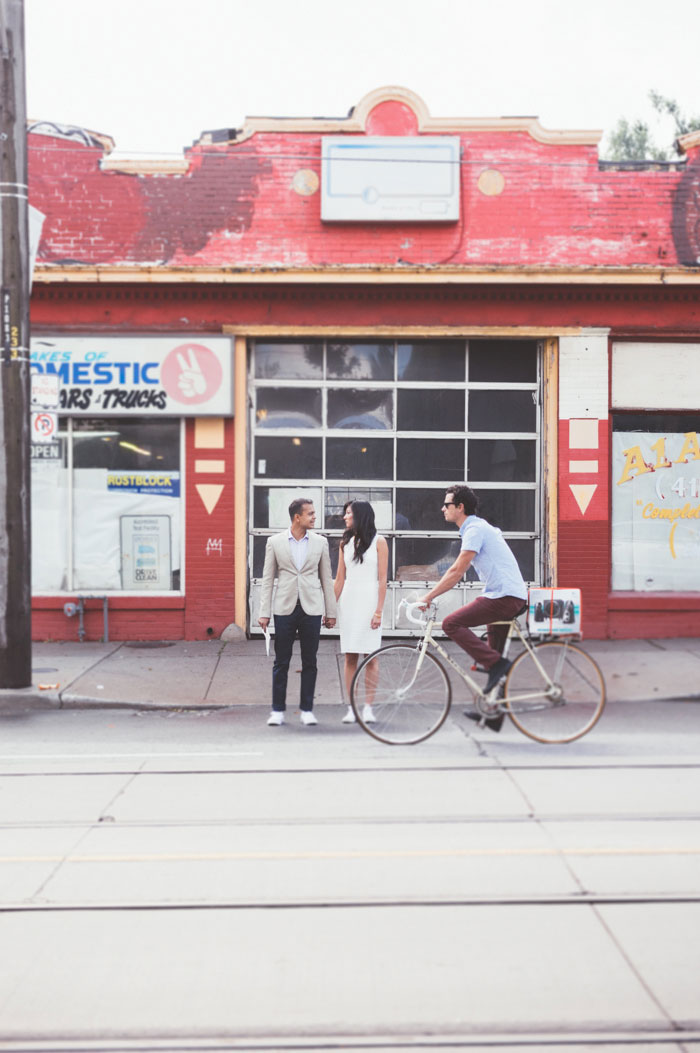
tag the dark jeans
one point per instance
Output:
(481, 611)
(287, 627)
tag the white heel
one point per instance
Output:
(368, 715)
(349, 717)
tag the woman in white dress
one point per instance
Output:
(360, 589)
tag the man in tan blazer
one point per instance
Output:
(299, 560)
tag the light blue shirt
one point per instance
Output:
(494, 562)
(298, 549)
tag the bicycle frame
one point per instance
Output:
(514, 631)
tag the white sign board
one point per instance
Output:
(145, 552)
(45, 389)
(147, 376)
(656, 511)
(390, 178)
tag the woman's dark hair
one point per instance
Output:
(363, 529)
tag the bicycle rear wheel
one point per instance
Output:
(407, 703)
(564, 705)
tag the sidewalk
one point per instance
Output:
(209, 674)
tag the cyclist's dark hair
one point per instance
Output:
(363, 528)
(297, 505)
(464, 495)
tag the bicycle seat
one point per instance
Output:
(522, 610)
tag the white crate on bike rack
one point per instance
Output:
(554, 612)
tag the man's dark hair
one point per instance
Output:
(464, 495)
(297, 505)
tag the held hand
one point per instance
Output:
(263, 623)
(329, 622)
(423, 603)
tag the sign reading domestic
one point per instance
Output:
(117, 376)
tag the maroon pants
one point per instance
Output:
(482, 611)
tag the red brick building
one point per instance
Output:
(372, 306)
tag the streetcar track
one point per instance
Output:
(494, 766)
(357, 820)
(578, 899)
(363, 1043)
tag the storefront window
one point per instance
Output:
(106, 512)
(394, 423)
(656, 502)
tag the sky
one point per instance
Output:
(154, 74)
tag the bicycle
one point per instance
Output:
(553, 692)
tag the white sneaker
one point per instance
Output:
(368, 715)
(276, 717)
(307, 717)
(349, 717)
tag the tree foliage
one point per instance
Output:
(633, 140)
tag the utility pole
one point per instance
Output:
(15, 537)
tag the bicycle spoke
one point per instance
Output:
(563, 704)
(405, 704)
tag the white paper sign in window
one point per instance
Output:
(656, 511)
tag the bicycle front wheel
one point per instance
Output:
(556, 693)
(398, 701)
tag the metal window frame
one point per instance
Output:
(396, 589)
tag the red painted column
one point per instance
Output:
(209, 530)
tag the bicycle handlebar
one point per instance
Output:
(430, 610)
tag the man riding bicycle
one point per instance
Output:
(504, 593)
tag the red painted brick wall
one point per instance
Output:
(236, 207)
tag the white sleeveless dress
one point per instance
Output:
(358, 602)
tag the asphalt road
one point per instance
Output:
(179, 880)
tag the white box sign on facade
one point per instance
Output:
(655, 376)
(150, 375)
(390, 178)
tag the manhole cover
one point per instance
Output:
(149, 643)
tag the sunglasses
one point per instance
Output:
(446, 504)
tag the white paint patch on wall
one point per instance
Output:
(583, 375)
(655, 376)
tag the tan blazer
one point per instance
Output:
(313, 584)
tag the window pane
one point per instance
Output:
(259, 544)
(288, 458)
(280, 361)
(359, 458)
(438, 459)
(430, 410)
(424, 559)
(124, 444)
(334, 545)
(508, 509)
(271, 504)
(436, 360)
(50, 518)
(360, 408)
(524, 551)
(656, 423)
(126, 504)
(288, 408)
(502, 411)
(379, 498)
(510, 460)
(420, 509)
(361, 361)
(507, 361)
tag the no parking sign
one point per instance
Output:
(44, 427)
